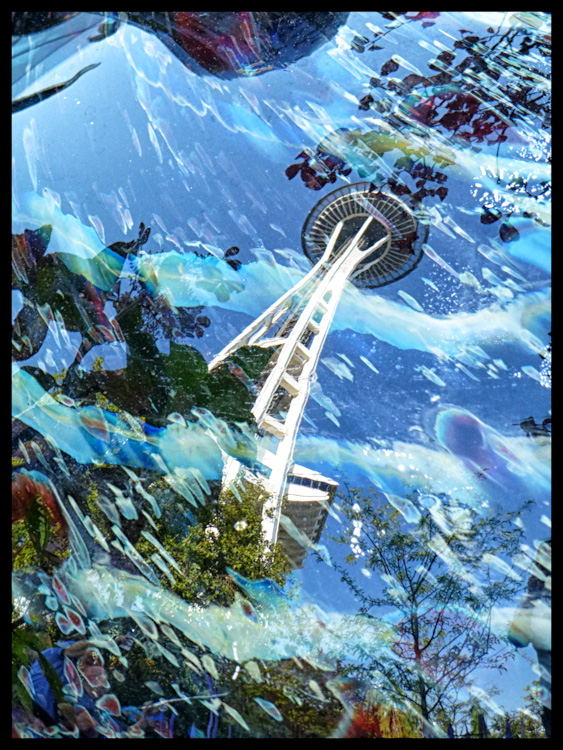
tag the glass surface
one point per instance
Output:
(164, 166)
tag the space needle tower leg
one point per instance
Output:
(295, 368)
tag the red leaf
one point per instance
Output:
(426, 14)
(420, 194)
(412, 80)
(389, 67)
(446, 57)
(454, 120)
(292, 170)
(307, 173)
(399, 189)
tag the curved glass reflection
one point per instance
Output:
(164, 165)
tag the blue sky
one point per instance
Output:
(201, 161)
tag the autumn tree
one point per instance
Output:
(440, 575)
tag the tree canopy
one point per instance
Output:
(438, 582)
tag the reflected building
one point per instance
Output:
(354, 234)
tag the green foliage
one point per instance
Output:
(26, 646)
(228, 534)
(252, 360)
(37, 521)
(228, 398)
(186, 368)
(23, 551)
(223, 534)
(154, 385)
(287, 684)
(52, 278)
(472, 716)
(36, 540)
(146, 665)
(523, 725)
(95, 512)
(525, 722)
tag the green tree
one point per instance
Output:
(227, 533)
(525, 722)
(440, 577)
(288, 698)
(224, 534)
(153, 384)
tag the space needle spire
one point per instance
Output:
(358, 234)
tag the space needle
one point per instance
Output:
(356, 234)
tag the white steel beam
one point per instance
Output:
(322, 288)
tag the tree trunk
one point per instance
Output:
(427, 731)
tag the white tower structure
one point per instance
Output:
(356, 233)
